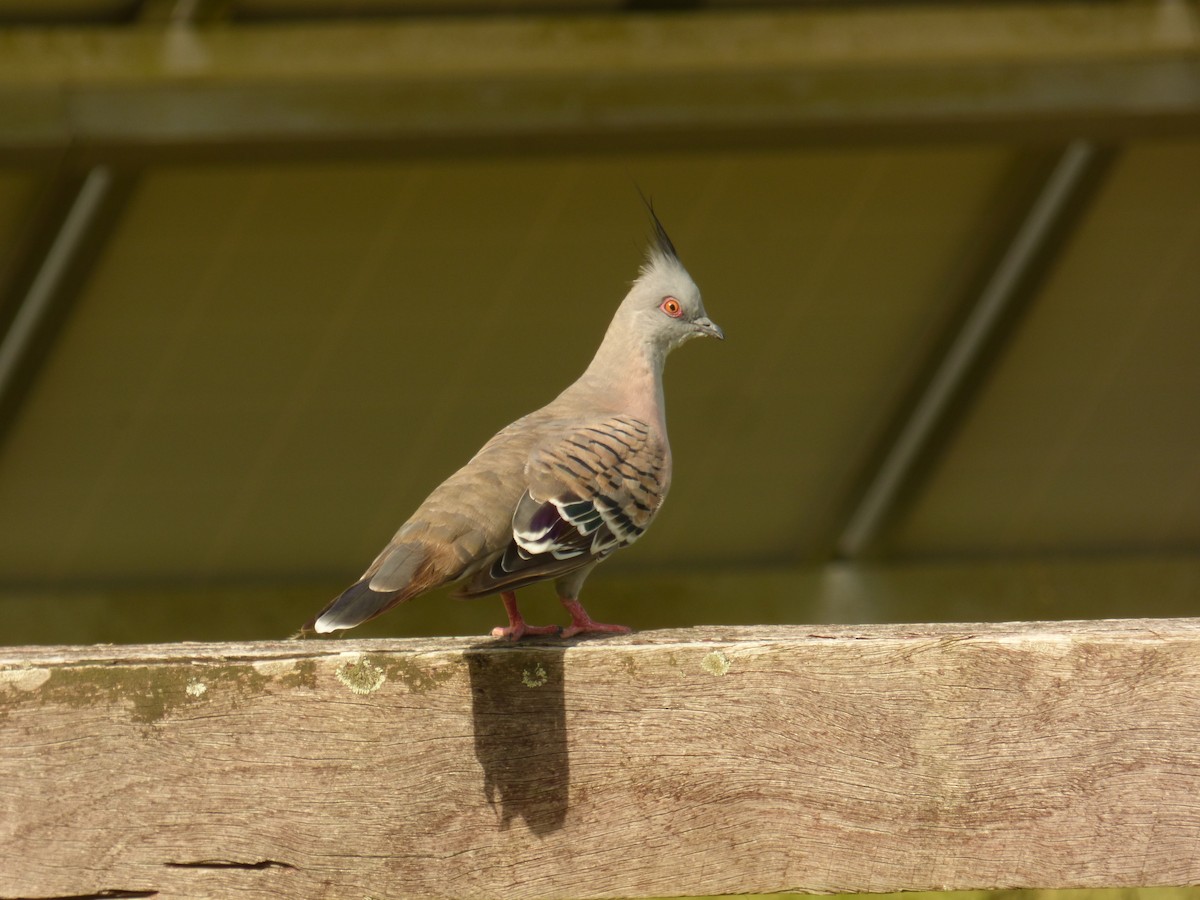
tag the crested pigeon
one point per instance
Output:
(559, 490)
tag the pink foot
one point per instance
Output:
(517, 627)
(518, 630)
(581, 622)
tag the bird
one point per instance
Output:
(559, 490)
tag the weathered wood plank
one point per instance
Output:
(709, 760)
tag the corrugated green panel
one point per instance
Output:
(18, 192)
(1112, 587)
(834, 273)
(271, 366)
(286, 9)
(66, 11)
(1085, 439)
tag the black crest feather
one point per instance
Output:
(662, 240)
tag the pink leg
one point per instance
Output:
(581, 622)
(516, 628)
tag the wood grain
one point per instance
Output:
(703, 761)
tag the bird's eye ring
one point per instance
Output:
(671, 307)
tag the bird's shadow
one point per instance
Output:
(520, 727)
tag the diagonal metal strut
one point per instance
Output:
(1048, 210)
(38, 303)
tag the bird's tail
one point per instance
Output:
(351, 607)
(399, 573)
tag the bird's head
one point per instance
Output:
(664, 301)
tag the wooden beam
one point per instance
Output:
(709, 760)
(472, 84)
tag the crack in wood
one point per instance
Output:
(107, 894)
(957, 755)
(230, 864)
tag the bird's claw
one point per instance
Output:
(590, 627)
(518, 630)
(581, 622)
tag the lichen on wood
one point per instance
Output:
(701, 761)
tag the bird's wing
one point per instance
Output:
(591, 490)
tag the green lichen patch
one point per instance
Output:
(533, 678)
(515, 671)
(416, 678)
(150, 692)
(715, 663)
(303, 675)
(361, 675)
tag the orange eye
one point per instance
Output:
(671, 307)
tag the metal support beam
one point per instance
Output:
(42, 302)
(1026, 250)
(480, 84)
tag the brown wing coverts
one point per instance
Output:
(592, 491)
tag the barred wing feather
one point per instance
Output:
(590, 493)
